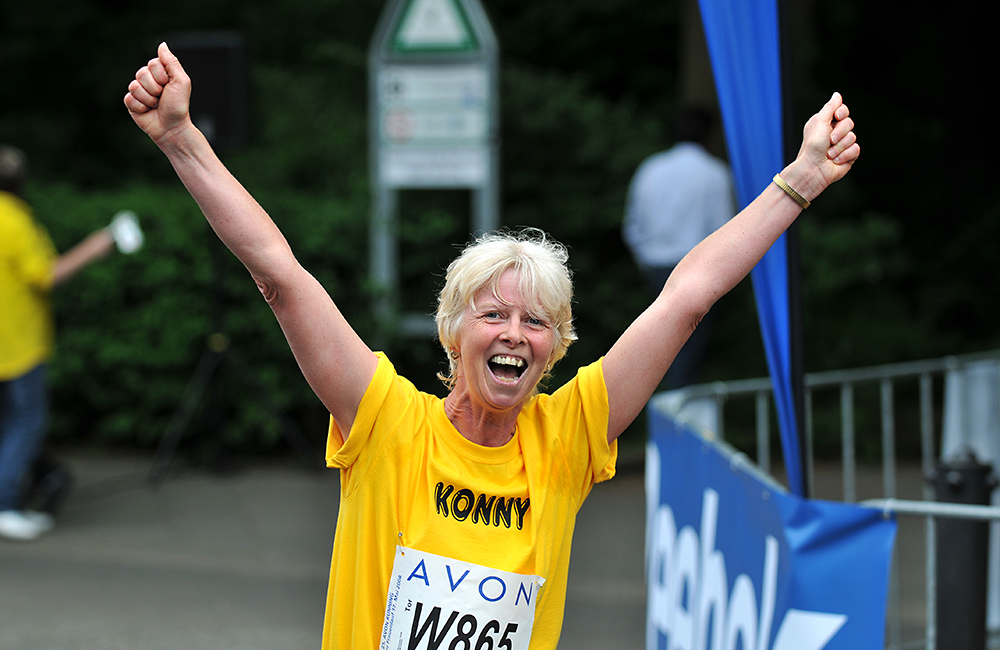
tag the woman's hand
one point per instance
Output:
(829, 148)
(159, 98)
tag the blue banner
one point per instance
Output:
(734, 561)
(743, 40)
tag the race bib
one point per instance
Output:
(437, 603)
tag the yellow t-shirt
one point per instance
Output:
(26, 260)
(409, 478)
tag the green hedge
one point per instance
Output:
(132, 328)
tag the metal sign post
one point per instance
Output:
(433, 124)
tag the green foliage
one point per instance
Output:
(896, 263)
(132, 328)
(859, 263)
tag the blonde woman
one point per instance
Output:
(457, 514)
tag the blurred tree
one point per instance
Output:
(897, 259)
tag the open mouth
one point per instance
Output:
(507, 368)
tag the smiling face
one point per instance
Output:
(541, 266)
(505, 346)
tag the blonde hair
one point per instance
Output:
(544, 277)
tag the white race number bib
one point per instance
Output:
(437, 603)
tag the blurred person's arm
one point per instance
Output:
(93, 247)
(333, 358)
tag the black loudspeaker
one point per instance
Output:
(216, 63)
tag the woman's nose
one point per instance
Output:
(513, 332)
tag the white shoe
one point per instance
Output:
(24, 524)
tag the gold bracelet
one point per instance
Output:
(798, 198)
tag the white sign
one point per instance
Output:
(434, 125)
(433, 24)
(439, 602)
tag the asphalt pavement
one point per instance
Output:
(240, 561)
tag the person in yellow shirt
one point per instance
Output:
(30, 268)
(457, 513)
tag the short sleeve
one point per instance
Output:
(573, 426)
(340, 454)
(596, 413)
(31, 252)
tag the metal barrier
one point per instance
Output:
(844, 385)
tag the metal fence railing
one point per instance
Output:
(910, 403)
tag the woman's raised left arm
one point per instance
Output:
(640, 358)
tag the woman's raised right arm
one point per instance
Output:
(334, 360)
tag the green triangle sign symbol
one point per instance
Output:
(434, 26)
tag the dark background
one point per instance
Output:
(897, 260)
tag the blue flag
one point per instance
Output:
(743, 43)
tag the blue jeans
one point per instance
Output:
(24, 411)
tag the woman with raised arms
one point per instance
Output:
(457, 514)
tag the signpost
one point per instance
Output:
(433, 124)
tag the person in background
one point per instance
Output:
(30, 268)
(677, 198)
(487, 481)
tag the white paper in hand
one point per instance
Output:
(126, 232)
